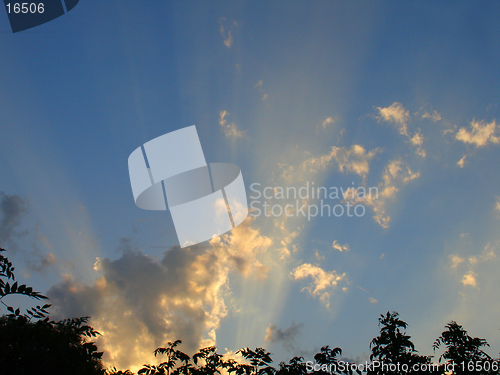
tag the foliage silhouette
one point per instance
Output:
(295, 366)
(31, 344)
(464, 351)
(173, 355)
(394, 347)
(114, 371)
(7, 288)
(329, 362)
(258, 358)
(46, 347)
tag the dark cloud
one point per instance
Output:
(38, 262)
(13, 208)
(285, 336)
(137, 296)
(139, 303)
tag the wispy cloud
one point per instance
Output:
(287, 237)
(461, 162)
(455, 260)
(40, 262)
(327, 122)
(340, 247)
(400, 117)
(418, 141)
(323, 282)
(259, 86)
(226, 30)
(434, 116)
(470, 276)
(395, 114)
(354, 159)
(230, 130)
(479, 134)
(395, 176)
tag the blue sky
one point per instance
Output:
(399, 96)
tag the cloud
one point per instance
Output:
(355, 160)
(487, 254)
(258, 86)
(435, 116)
(286, 239)
(461, 162)
(323, 283)
(13, 209)
(139, 303)
(363, 290)
(340, 247)
(41, 261)
(227, 32)
(395, 114)
(372, 300)
(497, 204)
(395, 176)
(480, 134)
(470, 279)
(327, 122)
(418, 140)
(473, 263)
(455, 260)
(318, 255)
(286, 336)
(231, 130)
(399, 116)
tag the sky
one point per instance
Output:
(395, 98)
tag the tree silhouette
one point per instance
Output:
(463, 353)
(295, 366)
(258, 358)
(166, 367)
(46, 347)
(31, 344)
(394, 349)
(7, 288)
(114, 371)
(330, 364)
